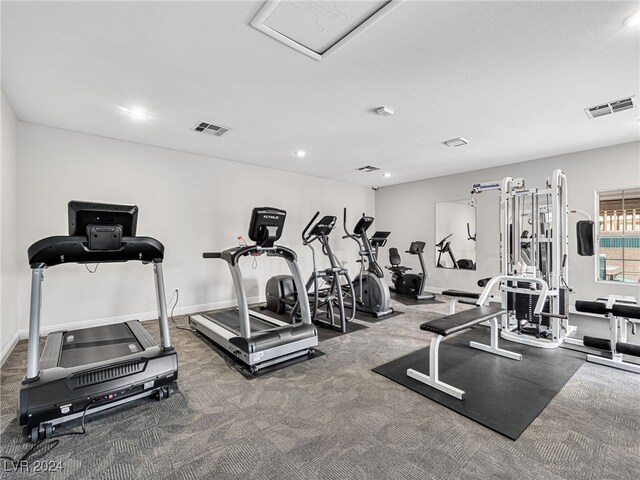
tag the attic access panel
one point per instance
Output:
(319, 28)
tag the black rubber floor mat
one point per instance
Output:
(365, 317)
(403, 299)
(502, 394)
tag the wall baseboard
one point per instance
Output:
(6, 351)
(143, 317)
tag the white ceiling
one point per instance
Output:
(511, 77)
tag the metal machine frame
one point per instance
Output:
(545, 256)
(620, 311)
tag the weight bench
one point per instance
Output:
(464, 296)
(620, 313)
(457, 322)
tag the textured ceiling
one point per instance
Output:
(511, 77)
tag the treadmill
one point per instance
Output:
(255, 339)
(85, 371)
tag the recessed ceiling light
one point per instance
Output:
(632, 20)
(386, 174)
(300, 153)
(136, 113)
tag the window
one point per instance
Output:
(619, 235)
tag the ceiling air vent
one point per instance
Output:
(367, 169)
(456, 142)
(611, 107)
(210, 129)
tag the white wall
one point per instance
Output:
(189, 202)
(408, 211)
(9, 252)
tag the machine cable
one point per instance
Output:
(48, 443)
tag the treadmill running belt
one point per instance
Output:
(96, 344)
(82, 356)
(105, 333)
(230, 319)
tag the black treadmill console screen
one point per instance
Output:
(266, 225)
(104, 225)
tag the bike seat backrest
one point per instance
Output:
(416, 247)
(394, 257)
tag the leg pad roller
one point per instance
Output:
(628, 349)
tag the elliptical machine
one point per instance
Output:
(329, 297)
(444, 246)
(326, 298)
(409, 284)
(368, 291)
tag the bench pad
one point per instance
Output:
(461, 293)
(597, 308)
(460, 321)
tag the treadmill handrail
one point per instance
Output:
(56, 250)
(233, 255)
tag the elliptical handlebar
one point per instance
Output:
(352, 236)
(441, 243)
(306, 240)
(344, 224)
(470, 237)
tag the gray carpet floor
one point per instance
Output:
(332, 418)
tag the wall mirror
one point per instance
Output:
(456, 235)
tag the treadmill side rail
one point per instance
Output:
(141, 334)
(51, 351)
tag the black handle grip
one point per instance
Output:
(305, 238)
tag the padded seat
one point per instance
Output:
(399, 269)
(461, 293)
(462, 320)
